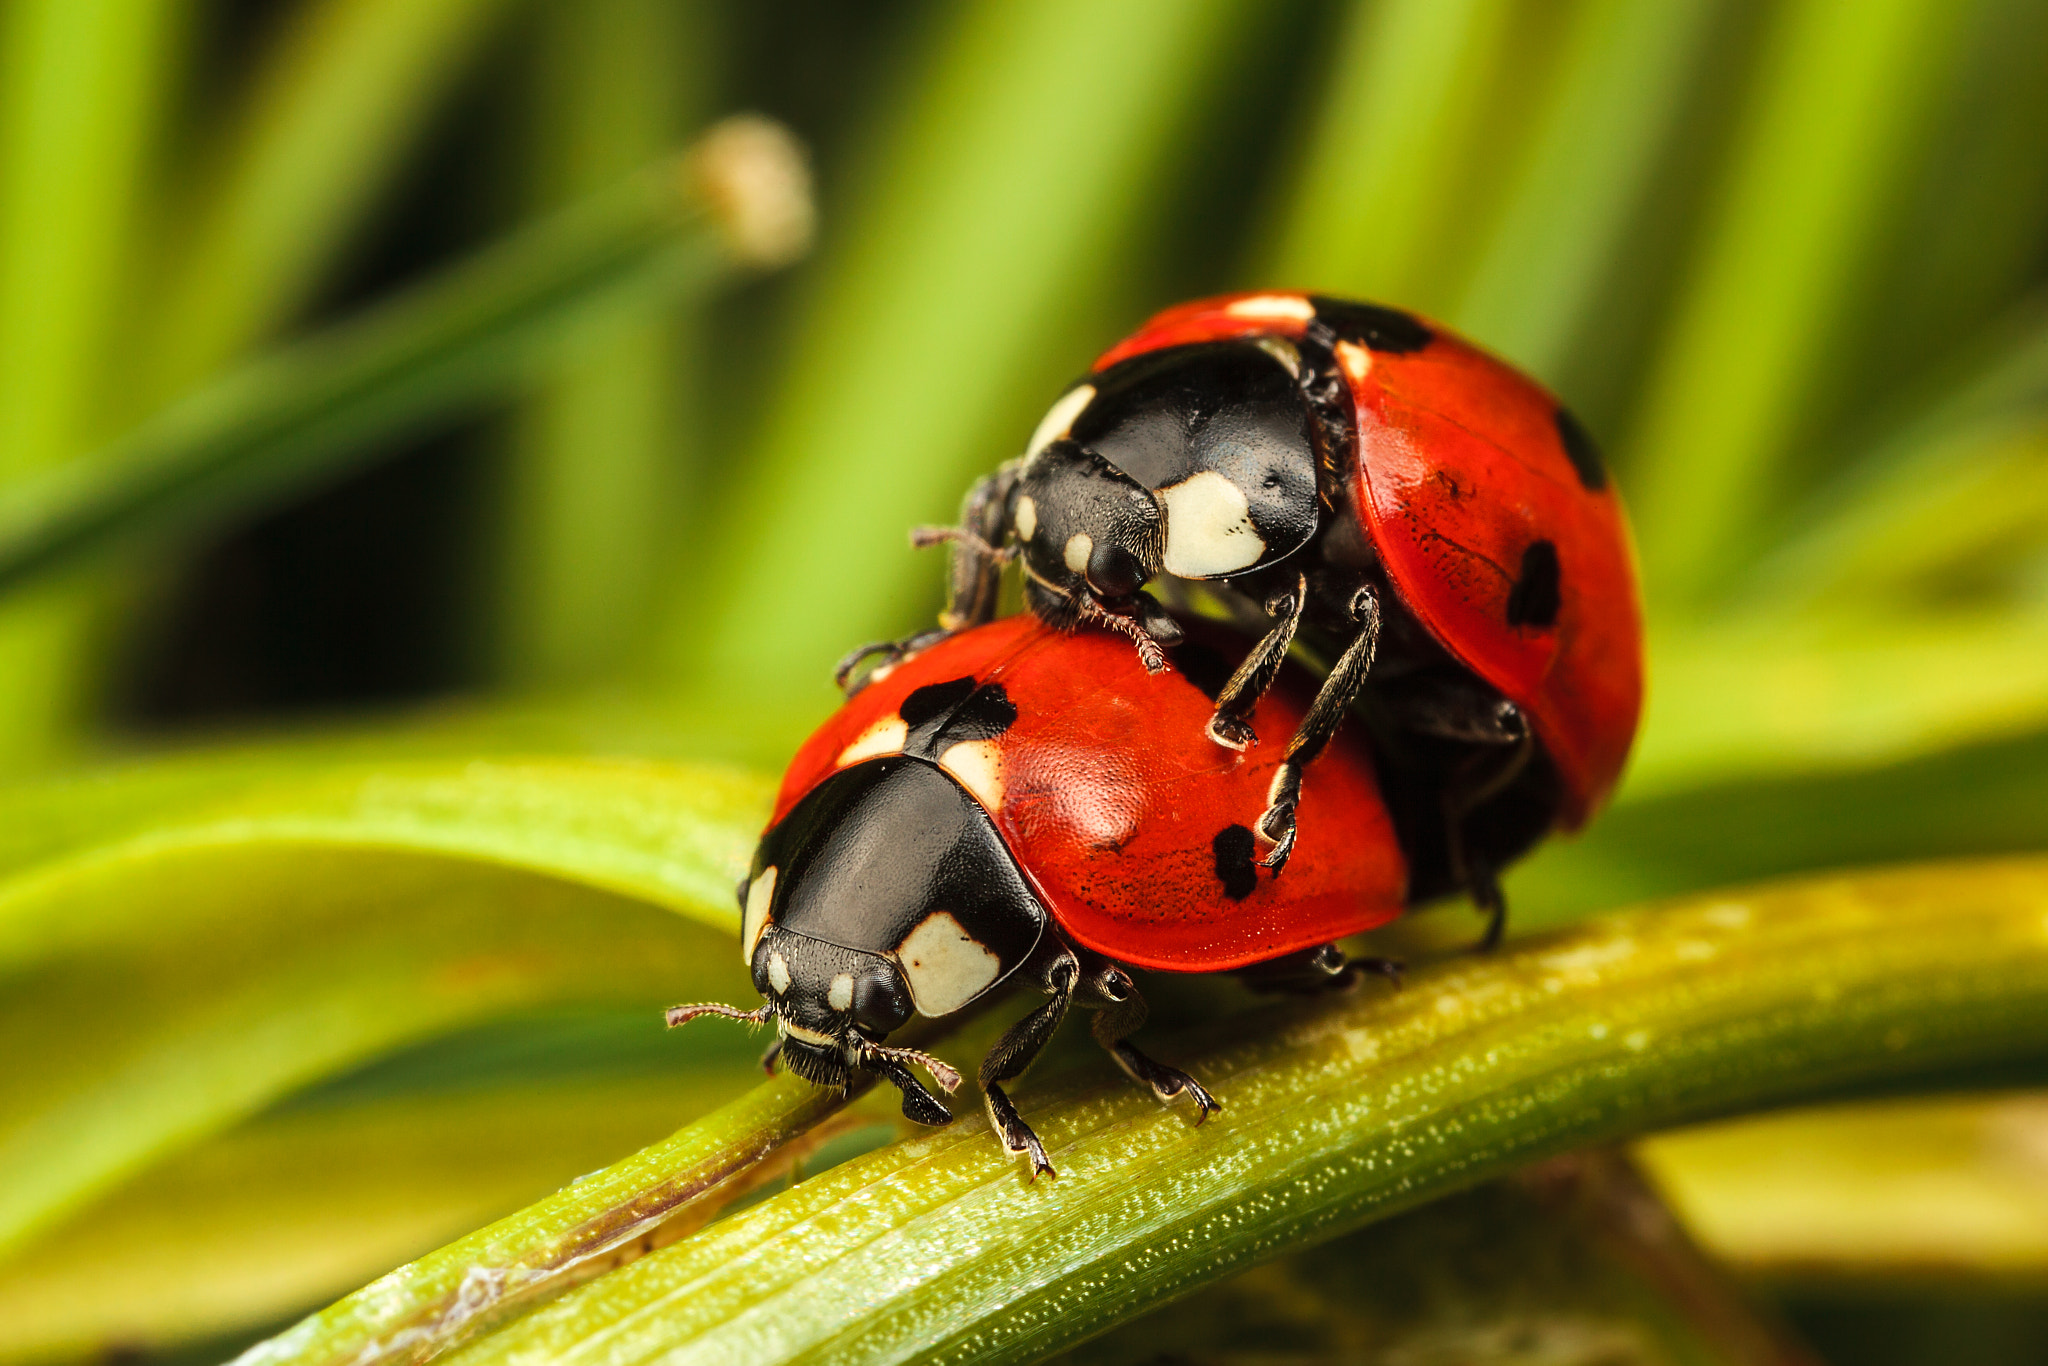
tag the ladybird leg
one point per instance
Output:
(1338, 692)
(1480, 780)
(1314, 971)
(1229, 727)
(1120, 1013)
(1015, 1052)
(980, 550)
(886, 654)
(919, 1105)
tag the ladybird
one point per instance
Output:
(1018, 803)
(1441, 524)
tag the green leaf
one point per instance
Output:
(1336, 1113)
(234, 1233)
(340, 98)
(272, 926)
(1837, 113)
(1979, 800)
(1960, 475)
(81, 95)
(1612, 108)
(422, 1307)
(1836, 690)
(1376, 190)
(1878, 1191)
(296, 416)
(594, 491)
(1002, 196)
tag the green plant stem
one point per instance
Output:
(422, 1307)
(939, 1250)
(296, 416)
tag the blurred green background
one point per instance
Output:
(382, 399)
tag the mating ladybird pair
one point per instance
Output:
(1059, 796)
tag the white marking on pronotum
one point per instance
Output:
(1290, 306)
(1208, 528)
(760, 895)
(1059, 419)
(1356, 360)
(885, 737)
(778, 973)
(977, 765)
(1027, 518)
(1080, 546)
(841, 994)
(945, 966)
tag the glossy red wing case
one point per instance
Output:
(1462, 473)
(1132, 826)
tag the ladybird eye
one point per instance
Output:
(879, 1002)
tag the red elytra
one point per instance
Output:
(1112, 799)
(1461, 466)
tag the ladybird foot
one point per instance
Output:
(1017, 1136)
(1167, 1083)
(1276, 824)
(1181, 1083)
(1231, 732)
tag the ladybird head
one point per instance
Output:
(1197, 461)
(886, 892)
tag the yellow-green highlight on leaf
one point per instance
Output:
(282, 422)
(1613, 102)
(339, 100)
(298, 1207)
(938, 1249)
(1836, 690)
(1836, 115)
(1000, 199)
(1879, 1192)
(1407, 91)
(669, 834)
(419, 1309)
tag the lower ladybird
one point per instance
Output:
(1019, 804)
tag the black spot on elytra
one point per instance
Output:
(934, 700)
(1202, 666)
(1371, 325)
(1234, 847)
(1535, 598)
(1580, 450)
(940, 715)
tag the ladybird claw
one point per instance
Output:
(1231, 732)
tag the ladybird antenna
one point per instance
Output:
(682, 1015)
(943, 1072)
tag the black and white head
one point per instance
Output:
(1197, 461)
(887, 892)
